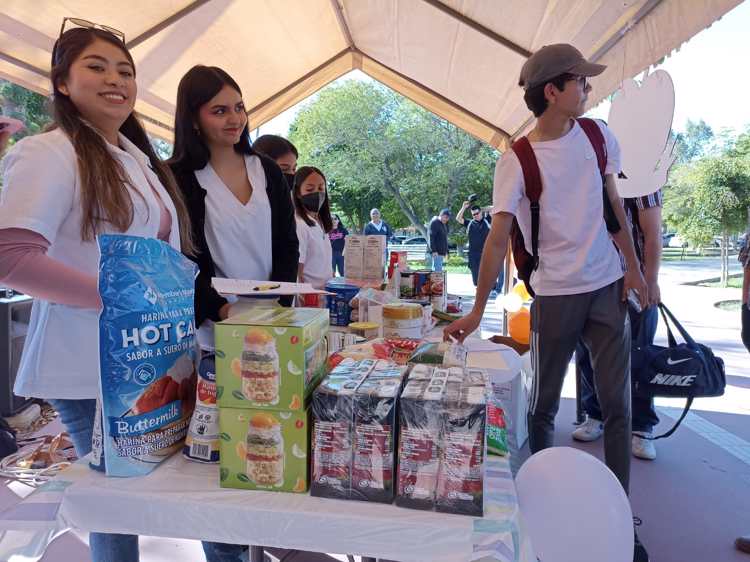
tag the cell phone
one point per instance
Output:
(633, 300)
(8, 124)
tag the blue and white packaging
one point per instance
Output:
(146, 354)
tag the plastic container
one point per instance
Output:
(338, 302)
(367, 330)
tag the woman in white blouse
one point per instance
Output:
(94, 173)
(313, 225)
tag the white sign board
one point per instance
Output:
(641, 119)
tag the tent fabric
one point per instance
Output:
(457, 58)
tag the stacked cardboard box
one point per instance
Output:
(268, 362)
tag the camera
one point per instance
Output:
(473, 197)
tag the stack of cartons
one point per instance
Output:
(268, 361)
(364, 257)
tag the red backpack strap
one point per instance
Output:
(596, 138)
(532, 178)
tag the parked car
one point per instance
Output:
(397, 239)
(677, 242)
(414, 240)
(665, 239)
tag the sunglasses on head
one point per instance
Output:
(86, 24)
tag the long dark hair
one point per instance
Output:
(274, 146)
(325, 210)
(197, 88)
(105, 197)
(338, 218)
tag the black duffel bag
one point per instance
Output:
(687, 370)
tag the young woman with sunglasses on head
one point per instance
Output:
(313, 225)
(95, 172)
(242, 215)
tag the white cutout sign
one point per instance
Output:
(641, 119)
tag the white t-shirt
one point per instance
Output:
(238, 236)
(41, 192)
(576, 253)
(314, 254)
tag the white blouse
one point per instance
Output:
(314, 254)
(42, 193)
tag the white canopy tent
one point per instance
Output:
(457, 58)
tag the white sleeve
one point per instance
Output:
(508, 185)
(38, 186)
(303, 235)
(614, 157)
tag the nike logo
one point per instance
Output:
(671, 362)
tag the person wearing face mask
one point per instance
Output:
(313, 225)
(280, 150)
(94, 173)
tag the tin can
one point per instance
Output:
(407, 285)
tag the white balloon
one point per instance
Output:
(574, 508)
(512, 302)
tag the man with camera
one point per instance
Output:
(477, 230)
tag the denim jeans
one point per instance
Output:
(78, 418)
(437, 262)
(337, 262)
(644, 414)
(475, 259)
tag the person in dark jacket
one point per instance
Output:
(239, 205)
(439, 239)
(281, 151)
(337, 237)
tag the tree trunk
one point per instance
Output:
(725, 259)
(402, 203)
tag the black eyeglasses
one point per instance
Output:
(86, 24)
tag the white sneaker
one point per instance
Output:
(643, 448)
(590, 430)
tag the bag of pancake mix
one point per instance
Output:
(146, 354)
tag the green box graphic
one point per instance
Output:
(264, 450)
(271, 358)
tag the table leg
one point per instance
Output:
(257, 554)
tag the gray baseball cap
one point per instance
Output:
(554, 60)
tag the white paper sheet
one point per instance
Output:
(250, 288)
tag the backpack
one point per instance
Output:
(527, 263)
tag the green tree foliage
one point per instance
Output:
(709, 198)
(30, 107)
(379, 149)
(694, 143)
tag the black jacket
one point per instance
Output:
(438, 237)
(284, 243)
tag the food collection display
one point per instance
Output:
(348, 401)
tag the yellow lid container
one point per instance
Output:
(402, 311)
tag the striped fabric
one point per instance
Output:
(632, 206)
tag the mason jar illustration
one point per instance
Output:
(261, 376)
(265, 451)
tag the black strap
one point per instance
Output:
(676, 425)
(535, 234)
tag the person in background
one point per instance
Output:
(439, 239)
(337, 236)
(282, 151)
(94, 173)
(313, 225)
(477, 230)
(377, 226)
(743, 543)
(239, 204)
(644, 219)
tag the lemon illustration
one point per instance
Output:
(299, 486)
(296, 403)
(241, 450)
(236, 367)
(298, 452)
(292, 368)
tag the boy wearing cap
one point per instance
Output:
(579, 283)
(439, 239)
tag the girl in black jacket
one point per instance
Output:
(238, 201)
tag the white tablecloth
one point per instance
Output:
(182, 499)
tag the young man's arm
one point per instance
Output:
(460, 216)
(633, 276)
(650, 221)
(493, 258)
